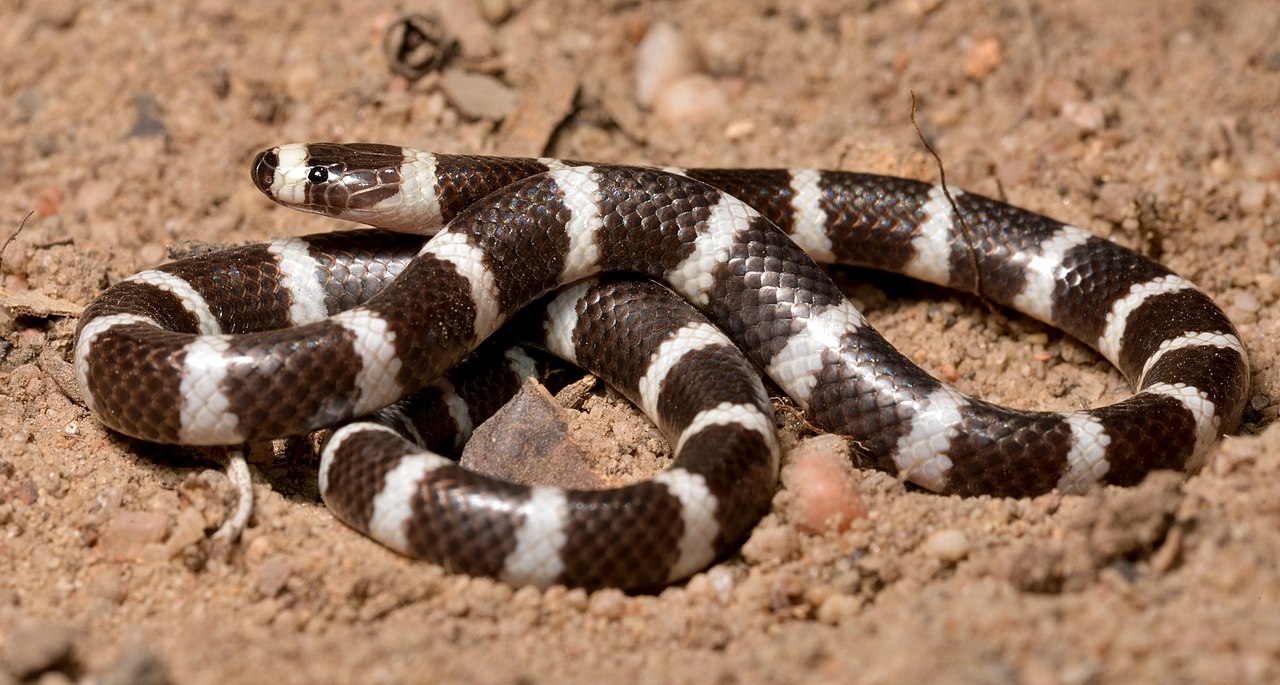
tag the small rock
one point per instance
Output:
(1244, 301)
(127, 534)
(273, 574)
(495, 11)
(1268, 285)
(949, 546)
(689, 99)
(739, 129)
(47, 201)
(753, 592)
(35, 647)
(610, 604)
(664, 55)
(1087, 116)
(1055, 92)
(820, 477)
(984, 57)
(837, 609)
(258, 550)
(716, 584)
(1253, 198)
(105, 583)
(187, 530)
(1115, 202)
(538, 113)
(478, 96)
(722, 581)
(771, 544)
(528, 441)
(1014, 173)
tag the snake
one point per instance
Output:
(301, 334)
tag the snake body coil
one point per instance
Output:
(287, 337)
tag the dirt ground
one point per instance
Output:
(128, 127)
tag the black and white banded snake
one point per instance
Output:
(299, 334)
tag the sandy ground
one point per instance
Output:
(128, 128)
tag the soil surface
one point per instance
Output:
(127, 129)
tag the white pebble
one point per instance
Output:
(1253, 198)
(947, 545)
(1245, 302)
(1088, 116)
(739, 129)
(495, 11)
(664, 55)
(689, 99)
(715, 585)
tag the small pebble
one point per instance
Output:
(1115, 202)
(838, 609)
(273, 574)
(495, 11)
(188, 529)
(1268, 284)
(739, 129)
(35, 647)
(1245, 302)
(714, 585)
(947, 545)
(689, 99)
(664, 55)
(1253, 198)
(825, 489)
(610, 604)
(47, 201)
(127, 534)
(105, 584)
(1055, 92)
(1087, 116)
(722, 581)
(753, 592)
(258, 549)
(984, 57)
(478, 96)
(771, 544)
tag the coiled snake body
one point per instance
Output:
(295, 335)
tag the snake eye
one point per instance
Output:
(318, 174)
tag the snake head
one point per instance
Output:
(362, 182)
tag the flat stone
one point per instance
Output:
(528, 442)
(127, 534)
(478, 96)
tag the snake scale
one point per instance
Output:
(295, 335)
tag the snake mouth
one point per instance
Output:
(264, 169)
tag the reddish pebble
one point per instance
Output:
(47, 201)
(984, 57)
(825, 490)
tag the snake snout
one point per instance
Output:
(264, 170)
